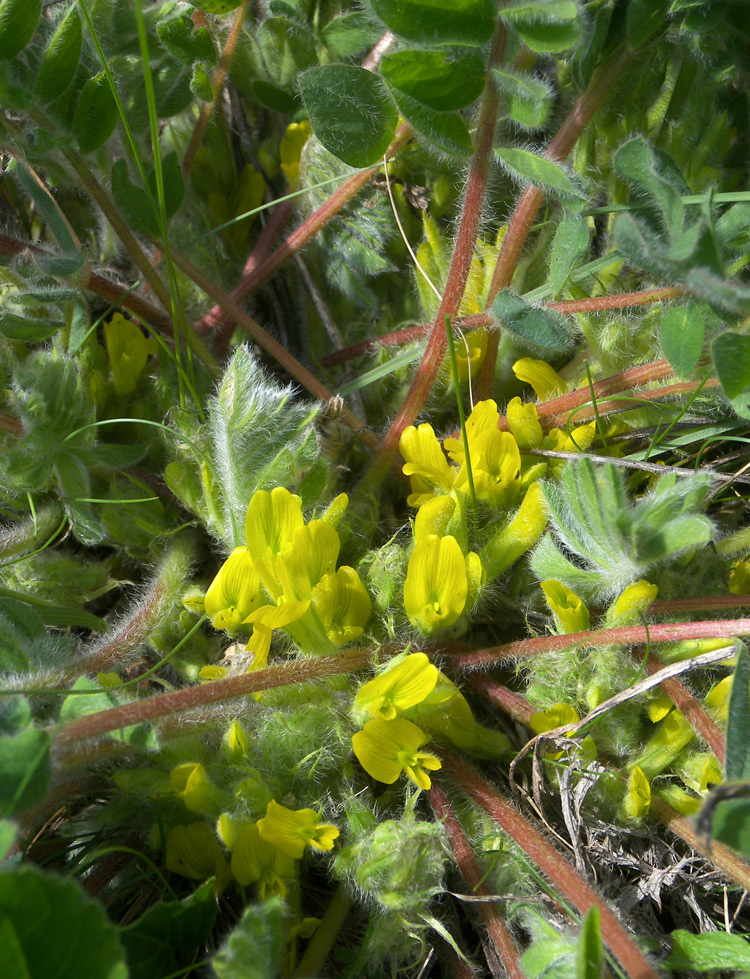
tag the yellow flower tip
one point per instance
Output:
(314, 552)
(568, 609)
(128, 351)
(234, 594)
(254, 860)
(290, 150)
(236, 741)
(193, 851)
(271, 521)
(471, 349)
(559, 715)
(436, 586)
(388, 749)
(434, 517)
(545, 381)
(484, 418)
(213, 672)
(496, 465)
(398, 688)
(343, 605)
(523, 422)
(634, 600)
(291, 831)
(717, 698)
(425, 459)
(637, 799)
(739, 577)
(190, 782)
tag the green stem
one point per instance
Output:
(325, 934)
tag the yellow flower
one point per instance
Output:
(398, 688)
(578, 440)
(545, 381)
(194, 852)
(290, 150)
(236, 741)
(637, 795)
(271, 521)
(387, 749)
(672, 735)
(518, 535)
(190, 782)
(632, 603)
(342, 605)
(434, 517)
(234, 593)
(436, 585)
(314, 552)
(256, 861)
(739, 577)
(128, 351)
(496, 467)
(556, 716)
(484, 418)
(523, 422)
(717, 698)
(290, 831)
(425, 460)
(571, 615)
(471, 349)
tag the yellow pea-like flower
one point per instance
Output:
(343, 605)
(290, 150)
(234, 594)
(485, 417)
(398, 688)
(496, 466)
(425, 459)
(571, 615)
(314, 552)
(194, 852)
(523, 422)
(190, 782)
(290, 831)
(544, 379)
(434, 517)
(271, 521)
(128, 351)
(632, 603)
(516, 537)
(388, 749)
(255, 861)
(436, 585)
(637, 799)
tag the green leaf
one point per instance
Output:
(31, 330)
(350, 34)
(731, 824)
(529, 99)
(254, 949)
(589, 959)
(737, 763)
(166, 937)
(18, 23)
(62, 57)
(180, 37)
(75, 706)
(138, 207)
(25, 770)
(8, 832)
(541, 327)
(438, 22)
(350, 111)
(215, 6)
(96, 114)
(428, 77)
(731, 357)
(545, 25)
(636, 162)
(56, 929)
(446, 130)
(287, 49)
(588, 54)
(681, 336)
(61, 266)
(710, 952)
(571, 242)
(530, 168)
(200, 84)
(645, 18)
(44, 203)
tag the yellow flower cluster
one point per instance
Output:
(285, 577)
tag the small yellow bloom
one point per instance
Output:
(342, 605)
(290, 831)
(193, 851)
(425, 459)
(314, 552)
(398, 688)
(271, 521)
(632, 603)
(637, 799)
(290, 150)
(571, 615)
(434, 517)
(496, 468)
(436, 585)
(545, 381)
(256, 861)
(236, 741)
(559, 715)
(739, 577)
(471, 349)
(717, 698)
(190, 782)
(386, 749)
(484, 418)
(578, 440)
(523, 422)
(672, 735)
(234, 594)
(516, 537)
(128, 351)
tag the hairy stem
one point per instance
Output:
(526, 211)
(565, 878)
(217, 84)
(325, 934)
(469, 868)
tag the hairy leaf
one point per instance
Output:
(25, 770)
(710, 952)
(681, 336)
(96, 114)
(186, 43)
(446, 130)
(541, 327)
(438, 22)
(529, 99)
(731, 357)
(571, 242)
(61, 58)
(254, 948)
(18, 23)
(430, 78)
(531, 168)
(545, 25)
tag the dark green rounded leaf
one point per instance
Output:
(540, 327)
(96, 114)
(545, 25)
(731, 356)
(16, 327)
(350, 111)
(287, 50)
(215, 6)
(200, 84)
(531, 168)
(681, 336)
(180, 37)
(438, 22)
(431, 79)
(350, 34)
(273, 97)
(52, 929)
(24, 770)
(645, 18)
(18, 23)
(446, 130)
(61, 60)
(529, 99)
(709, 952)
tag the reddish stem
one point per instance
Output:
(623, 300)
(510, 703)
(681, 697)
(565, 878)
(624, 635)
(163, 705)
(467, 864)
(9, 424)
(216, 318)
(457, 274)
(217, 84)
(699, 604)
(525, 213)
